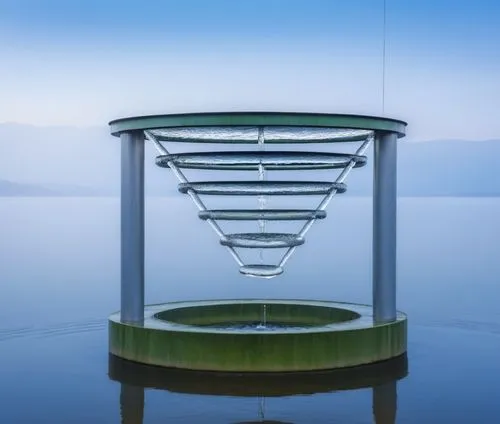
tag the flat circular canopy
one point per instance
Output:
(258, 119)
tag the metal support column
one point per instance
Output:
(384, 227)
(132, 227)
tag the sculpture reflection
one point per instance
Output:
(135, 378)
(131, 404)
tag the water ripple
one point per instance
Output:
(466, 325)
(61, 329)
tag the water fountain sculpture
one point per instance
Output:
(289, 335)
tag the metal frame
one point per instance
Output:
(384, 227)
(132, 226)
(258, 119)
(132, 130)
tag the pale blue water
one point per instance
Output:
(59, 268)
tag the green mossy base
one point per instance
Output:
(332, 342)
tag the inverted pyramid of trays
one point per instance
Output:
(259, 172)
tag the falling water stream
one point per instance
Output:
(262, 198)
(262, 222)
(262, 408)
(263, 318)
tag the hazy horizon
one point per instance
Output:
(86, 64)
(87, 160)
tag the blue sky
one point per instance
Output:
(86, 62)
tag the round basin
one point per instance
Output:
(257, 336)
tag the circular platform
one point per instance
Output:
(217, 335)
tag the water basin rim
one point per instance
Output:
(365, 320)
(159, 343)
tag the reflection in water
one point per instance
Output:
(385, 399)
(135, 378)
(263, 421)
(131, 404)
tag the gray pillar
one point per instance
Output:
(132, 227)
(384, 227)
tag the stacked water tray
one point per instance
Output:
(261, 173)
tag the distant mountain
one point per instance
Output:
(9, 188)
(442, 168)
(450, 168)
(67, 161)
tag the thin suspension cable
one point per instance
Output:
(384, 36)
(194, 196)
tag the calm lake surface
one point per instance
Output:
(59, 268)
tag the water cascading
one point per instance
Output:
(265, 162)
